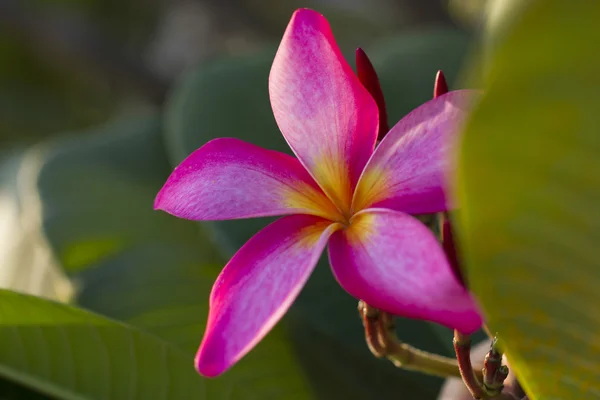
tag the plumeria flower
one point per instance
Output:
(339, 191)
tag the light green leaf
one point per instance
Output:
(530, 195)
(73, 354)
(499, 17)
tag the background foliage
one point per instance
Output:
(106, 299)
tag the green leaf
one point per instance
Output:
(225, 98)
(530, 189)
(145, 267)
(229, 98)
(500, 15)
(73, 354)
(34, 87)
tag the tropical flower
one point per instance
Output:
(339, 191)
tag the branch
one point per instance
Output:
(462, 347)
(381, 338)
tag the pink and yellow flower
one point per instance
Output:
(340, 191)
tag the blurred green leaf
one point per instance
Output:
(229, 98)
(225, 98)
(530, 189)
(500, 15)
(71, 64)
(351, 20)
(73, 354)
(499, 18)
(29, 86)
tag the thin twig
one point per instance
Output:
(491, 384)
(370, 317)
(381, 338)
(462, 347)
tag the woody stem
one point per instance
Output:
(462, 347)
(381, 338)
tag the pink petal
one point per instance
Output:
(408, 170)
(393, 262)
(327, 117)
(228, 179)
(257, 287)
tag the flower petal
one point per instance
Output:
(229, 179)
(257, 287)
(393, 262)
(408, 170)
(327, 117)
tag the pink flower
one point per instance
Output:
(340, 192)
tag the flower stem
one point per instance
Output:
(462, 347)
(382, 341)
(370, 317)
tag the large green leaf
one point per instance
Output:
(142, 266)
(73, 354)
(229, 98)
(500, 15)
(530, 190)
